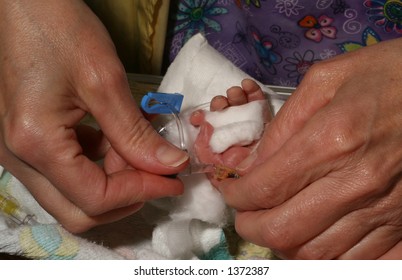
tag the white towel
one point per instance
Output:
(199, 72)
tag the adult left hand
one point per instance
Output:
(325, 181)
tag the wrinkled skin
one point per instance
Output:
(58, 63)
(325, 182)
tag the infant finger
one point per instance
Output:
(252, 90)
(219, 103)
(236, 96)
(197, 118)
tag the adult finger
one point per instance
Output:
(301, 106)
(375, 245)
(107, 96)
(395, 253)
(56, 204)
(96, 192)
(301, 160)
(280, 228)
(330, 244)
(328, 200)
(59, 157)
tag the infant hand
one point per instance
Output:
(219, 141)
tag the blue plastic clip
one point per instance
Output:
(162, 103)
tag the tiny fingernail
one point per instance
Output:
(170, 156)
(246, 163)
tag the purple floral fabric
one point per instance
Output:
(276, 41)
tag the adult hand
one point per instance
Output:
(58, 63)
(325, 181)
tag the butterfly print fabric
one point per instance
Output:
(277, 41)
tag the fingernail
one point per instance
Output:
(170, 156)
(248, 162)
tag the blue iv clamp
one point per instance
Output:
(170, 104)
(162, 103)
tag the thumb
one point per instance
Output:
(128, 132)
(304, 103)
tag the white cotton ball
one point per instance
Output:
(200, 201)
(241, 133)
(205, 236)
(173, 240)
(237, 125)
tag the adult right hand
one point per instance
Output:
(58, 63)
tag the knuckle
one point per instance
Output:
(276, 236)
(369, 180)
(93, 204)
(140, 135)
(264, 196)
(112, 195)
(22, 135)
(76, 227)
(340, 136)
(308, 252)
(323, 71)
(264, 192)
(99, 78)
(140, 130)
(92, 208)
(318, 72)
(75, 220)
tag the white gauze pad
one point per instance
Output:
(237, 125)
